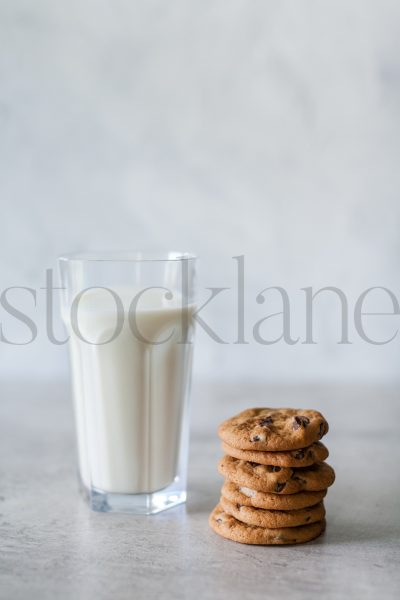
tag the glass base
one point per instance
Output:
(135, 504)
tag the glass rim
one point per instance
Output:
(130, 256)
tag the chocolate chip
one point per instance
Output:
(255, 438)
(265, 421)
(219, 520)
(299, 420)
(299, 454)
(279, 487)
(238, 507)
(274, 469)
(297, 478)
(322, 429)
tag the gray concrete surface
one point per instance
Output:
(52, 546)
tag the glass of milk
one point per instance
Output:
(130, 322)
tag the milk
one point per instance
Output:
(129, 394)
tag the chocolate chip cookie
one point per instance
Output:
(302, 457)
(273, 429)
(272, 519)
(267, 478)
(249, 497)
(228, 527)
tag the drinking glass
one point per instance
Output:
(130, 323)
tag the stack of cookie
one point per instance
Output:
(275, 477)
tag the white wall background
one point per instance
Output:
(256, 127)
